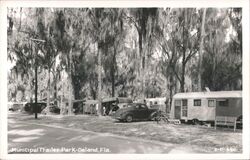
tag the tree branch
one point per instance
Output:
(134, 22)
(190, 56)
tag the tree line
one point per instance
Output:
(92, 53)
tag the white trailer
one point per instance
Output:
(158, 101)
(205, 106)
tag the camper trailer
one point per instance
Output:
(159, 102)
(205, 106)
(90, 107)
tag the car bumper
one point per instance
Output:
(117, 117)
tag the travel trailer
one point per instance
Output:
(90, 107)
(160, 102)
(205, 106)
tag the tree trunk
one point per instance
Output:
(113, 73)
(170, 91)
(201, 55)
(48, 88)
(185, 39)
(62, 109)
(113, 61)
(30, 85)
(55, 93)
(70, 84)
(61, 105)
(142, 56)
(182, 87)
(182, 82)
(99, 111)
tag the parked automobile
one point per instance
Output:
(115, 107)
(15, 106)
(135, 111)
(52, 109)
(29, 107)
(111, 105)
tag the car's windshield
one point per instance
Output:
(143, 106)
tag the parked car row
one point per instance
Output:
(30, 107)
(120, 108)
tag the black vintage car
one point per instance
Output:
(30, 107)
(41, 108)
(135, 111)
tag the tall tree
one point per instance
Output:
(186, 29)
(178, 38)
(222, 61)
(101, 26)
(20, 33)
(201, 49)
(113, 45)
(64, 42)
(45, 24)
(72, 40)
(166, 38)
(140, 17)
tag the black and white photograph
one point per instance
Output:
(113, 80)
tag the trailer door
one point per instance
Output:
(184, 108)
(177, 109)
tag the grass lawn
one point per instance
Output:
(200, 139)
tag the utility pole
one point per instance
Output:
(36, 65)
(36, 107)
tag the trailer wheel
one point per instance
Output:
(195, 121)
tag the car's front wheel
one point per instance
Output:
(129, 118)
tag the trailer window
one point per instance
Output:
(211, 103)
(177, 102)
(197, 102)
(184, 102)
(223, 103)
